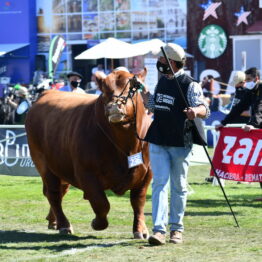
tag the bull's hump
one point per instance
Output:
(66, 99)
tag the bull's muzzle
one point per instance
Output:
(115, 113)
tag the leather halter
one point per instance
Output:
(134, 86)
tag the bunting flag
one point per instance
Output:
(210, 9)
(56, 48)
(242, 16)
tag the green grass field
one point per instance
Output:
(210, 232)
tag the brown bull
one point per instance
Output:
(85, 140)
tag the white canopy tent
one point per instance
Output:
(113, 48)
(117, 49)
(150, 46)
(110, 48)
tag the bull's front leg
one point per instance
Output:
(138, 198)
(100, 205)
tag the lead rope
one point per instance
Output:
(136, 133)
(104, 132)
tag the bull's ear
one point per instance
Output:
(100, 76)
(142, 74)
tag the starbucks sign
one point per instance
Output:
(212, 41)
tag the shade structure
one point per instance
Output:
(149, 46)
(6, 48)
(110, 48)
(117, 49)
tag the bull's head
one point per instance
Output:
(119, 91)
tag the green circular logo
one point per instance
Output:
(212, 41)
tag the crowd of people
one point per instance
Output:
(12, 96)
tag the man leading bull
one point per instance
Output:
(171, 136)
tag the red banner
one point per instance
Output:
(238, 155)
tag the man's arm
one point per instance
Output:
(198, 111)
(148, 99)
(238, 109)
(198, 106)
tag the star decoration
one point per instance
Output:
(242, 16)
(210, 9)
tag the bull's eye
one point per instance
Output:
(119, 102)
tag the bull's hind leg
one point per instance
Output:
(138, 198)
(54, 191)
(52, 224)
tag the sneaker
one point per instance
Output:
(176, 237)
(157, 238)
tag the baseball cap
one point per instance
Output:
(238, 77)
(173, 51)
(74, 74)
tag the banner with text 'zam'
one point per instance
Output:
(238, 155)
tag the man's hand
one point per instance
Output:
(145, 94)
(248, 128)
(218, 127)
(191, 113)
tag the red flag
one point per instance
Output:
(238, 155)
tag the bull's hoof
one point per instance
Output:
(146, 235)
(66, 230)
(99, 224)
(140, 235)
(52, 225)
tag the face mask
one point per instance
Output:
(74, 84)
(250, 85)
(163, 68)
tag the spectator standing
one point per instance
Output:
(74, 80)
(208, 86)
(171, 137)
(99, 67)
(22, 100)
(93, 87)
(38, 77)
(239, 80)
(252, 99)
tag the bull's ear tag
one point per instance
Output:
(135, 160)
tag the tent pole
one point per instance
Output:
(105, 64)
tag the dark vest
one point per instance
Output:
(170, 126)
(256, 106)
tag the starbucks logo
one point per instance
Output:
(212, 41)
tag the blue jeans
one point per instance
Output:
(169, 164)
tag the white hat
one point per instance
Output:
(174, 52)
(238, 77)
